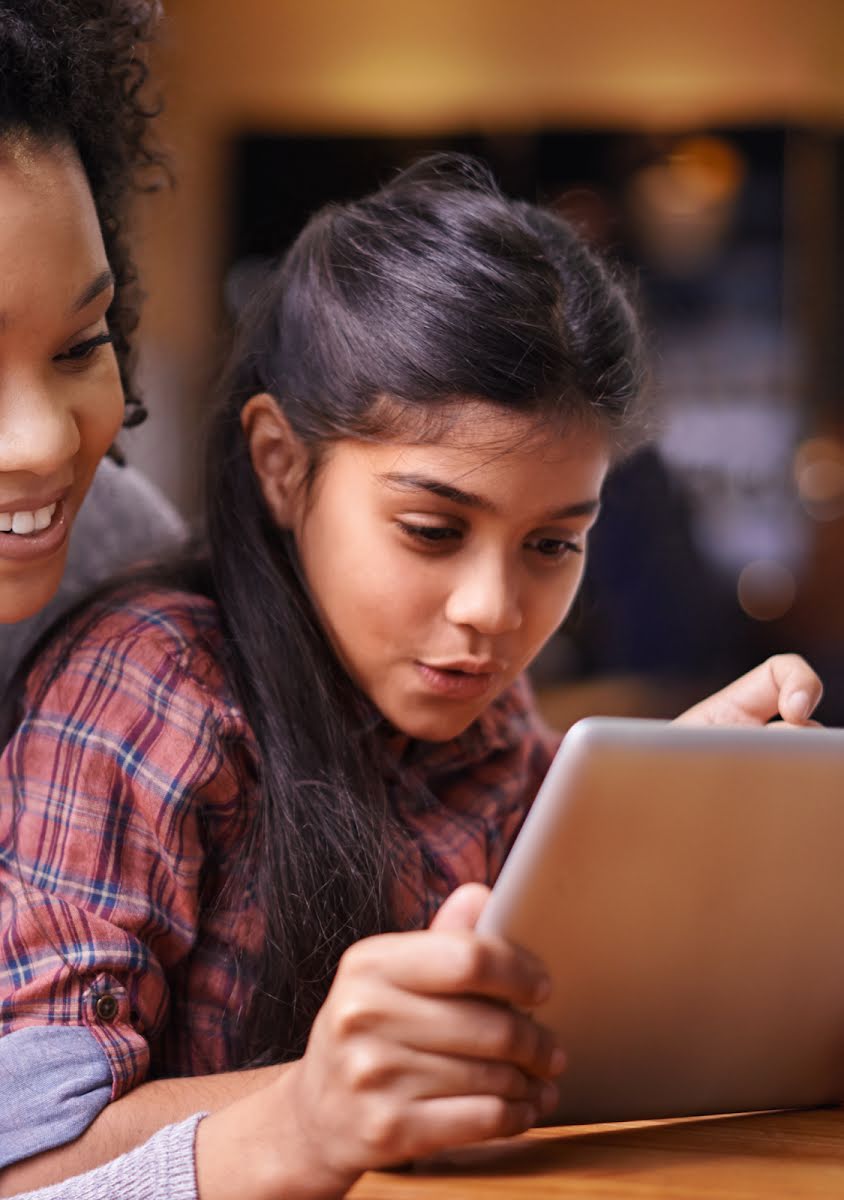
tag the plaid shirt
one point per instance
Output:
(136, 780)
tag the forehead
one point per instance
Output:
(50, 238)
(477, 432)
(483, 447)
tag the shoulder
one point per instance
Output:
(153, 643)
(133, 712)
(123, 500)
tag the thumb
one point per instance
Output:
(460, 911)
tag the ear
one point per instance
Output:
(279, 459)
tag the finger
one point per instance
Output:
(447, 1122)
(800, 689)
(461, 910)
(450, 963)
(471, 1029)
(433, 1075)
(785, 684)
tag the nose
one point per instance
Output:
(486, 596)
(38, 431)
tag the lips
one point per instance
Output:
(455, 682)
(25, 547)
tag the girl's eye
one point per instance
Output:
(83, 352)
(555, 549)
(430, 534)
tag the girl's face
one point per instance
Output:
(61, 402)
(439, 570)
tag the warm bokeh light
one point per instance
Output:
(819, 477)
(683, 206)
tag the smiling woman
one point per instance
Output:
(73, 148)
(61, 400)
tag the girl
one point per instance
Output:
(240, 799)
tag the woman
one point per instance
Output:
(68, 78)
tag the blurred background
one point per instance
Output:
(699, 145)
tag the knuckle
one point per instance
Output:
(368, 1067)
(470, 959)
(382, 1130)
(352, 1016)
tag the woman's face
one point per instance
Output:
(440, 570)
(61, 402)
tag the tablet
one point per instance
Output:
(685, 888)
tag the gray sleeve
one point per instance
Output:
(162, 1169)
(54, 1081)
(124, 520)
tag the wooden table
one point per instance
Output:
(796, 1154)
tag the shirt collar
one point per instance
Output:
(499, 727)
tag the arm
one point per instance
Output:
(416, 1049)
(128, 1122)
(162, 1169)
(102, 854)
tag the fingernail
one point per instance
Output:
(558, 1060)
(800, 706)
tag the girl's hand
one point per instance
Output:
(419, 1048)
(784, 686)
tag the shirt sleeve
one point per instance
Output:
(37, 1066)
(162, 1169)
(101, 845)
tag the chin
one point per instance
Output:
(433, 726)
(24, 600)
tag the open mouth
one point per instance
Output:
(454, 683)
(24, 524)
(33, 533)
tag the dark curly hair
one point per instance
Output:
(74, 71)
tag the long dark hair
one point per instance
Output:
(433, 289)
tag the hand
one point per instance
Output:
(419, 1047)
(784, 686)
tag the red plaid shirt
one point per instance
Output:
(136, 780)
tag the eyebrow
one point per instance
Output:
(447, 491)
(96, 287)
(100, 284)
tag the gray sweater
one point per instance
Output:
(123, 520)
(162, 1169)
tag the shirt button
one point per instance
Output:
(107, 1008)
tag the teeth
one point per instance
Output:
(44, 516)
(27, 522)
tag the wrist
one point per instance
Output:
(256, 1147)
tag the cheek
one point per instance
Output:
(554, 605)
(99, 419)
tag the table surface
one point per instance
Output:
(794, 1154)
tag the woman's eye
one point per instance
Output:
(82, 352)
(431, 534)
(555, 549)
